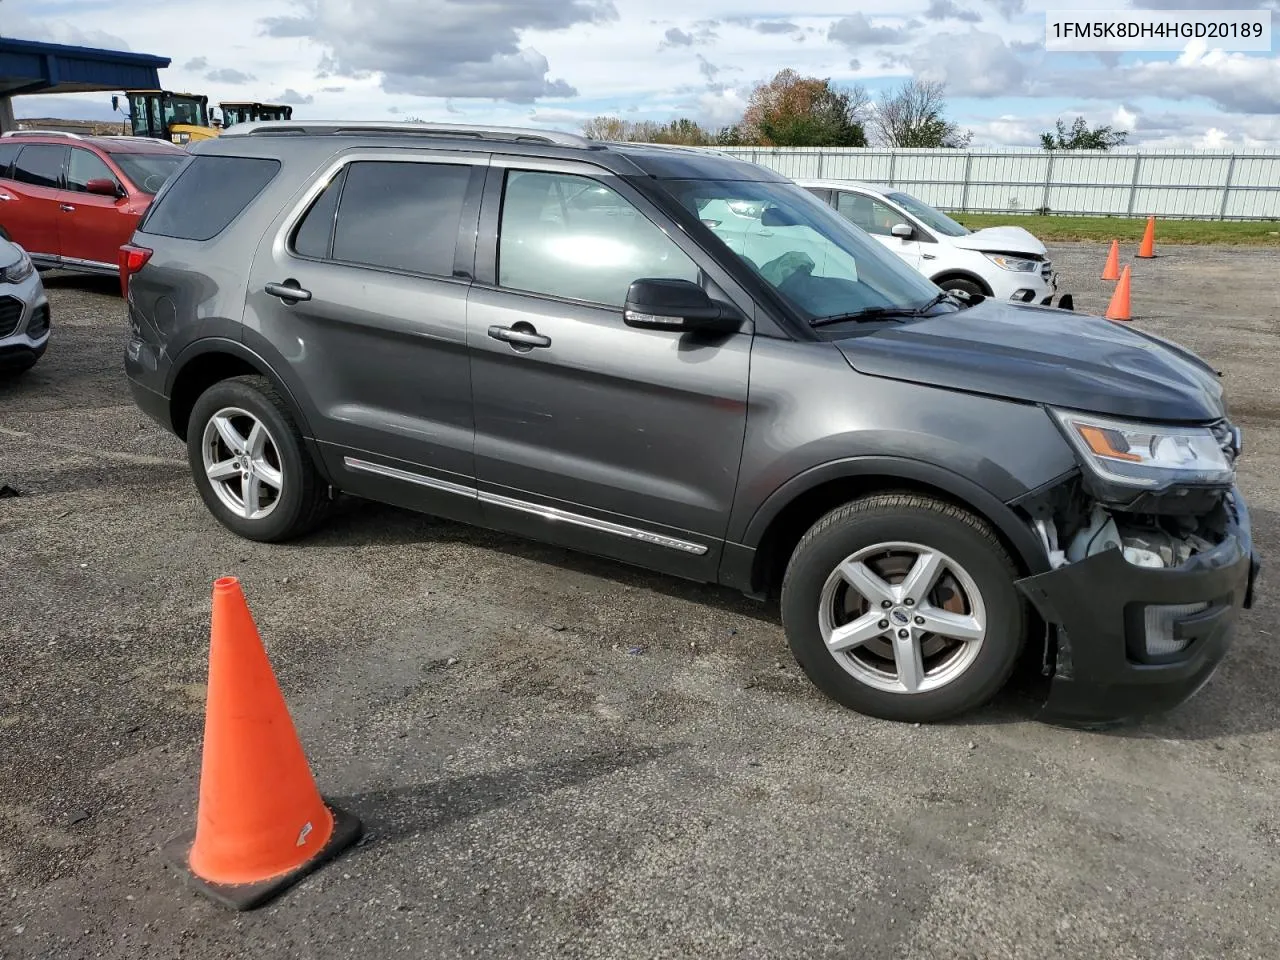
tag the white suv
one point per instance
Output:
(1006, 263)
(24, 310)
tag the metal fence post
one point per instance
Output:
(1226, 187)
(964, 192)
(1048, 180)
(893, 162)
(1133, 184)
(821, 156)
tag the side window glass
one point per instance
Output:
(401, 215)
(8, 151)
(573, 237)
(314, 234)
(871, 215)
(86, 166)
(39, 165)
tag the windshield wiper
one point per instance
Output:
(867, 314)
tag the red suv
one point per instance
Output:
(71, 201)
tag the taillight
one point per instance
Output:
(132, 259)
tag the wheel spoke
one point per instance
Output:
(855, 634)
(268, 474)
(859, 576)
(910, 663)
(223, 470)
(229, 434)
(252, 496)
(923, 575)
(957, 626)
(257, 441)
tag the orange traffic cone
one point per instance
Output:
(1119, 306)
(1148, 248)
(261, 825)
(1112, 269)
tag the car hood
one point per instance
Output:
(1044, 355)
(1001, 240)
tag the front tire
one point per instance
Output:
(967, 287)
(903, 607)
(250, 462)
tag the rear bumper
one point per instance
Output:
(1098, 606)
(154, 405)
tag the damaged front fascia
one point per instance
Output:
(1087, 595)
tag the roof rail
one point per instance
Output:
(410, 129)
(686, 147)
(43, 133)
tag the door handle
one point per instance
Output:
(66, 208)
(289, 291)
(520, 338)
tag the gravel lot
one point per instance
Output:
(557, 756)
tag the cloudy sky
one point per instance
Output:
(558, 62)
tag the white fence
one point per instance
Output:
(1200, 184)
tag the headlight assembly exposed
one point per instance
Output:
(17, 272)
(1146, 455)
(1016, 264)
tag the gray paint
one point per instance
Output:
(667, 450)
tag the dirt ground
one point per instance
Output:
(556, 756)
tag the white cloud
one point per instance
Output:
(972, 64)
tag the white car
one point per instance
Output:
(1006, 263)
(24, 310)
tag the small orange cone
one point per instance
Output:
(1119, 307)
(261, 825)
(1112, 269)
(1148, 248)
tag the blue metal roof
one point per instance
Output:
(27, 66)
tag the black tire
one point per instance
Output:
(963, 286)
(890, 517)
(303, 501)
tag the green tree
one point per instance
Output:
(791, 110)
(1082, 137)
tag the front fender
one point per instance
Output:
(1010, 524)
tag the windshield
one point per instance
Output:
(233, 115)
(931, 218)
(148, 171)
(819, 263)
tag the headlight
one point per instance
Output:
(1146, 454)
(1016, 264)
(17, 272)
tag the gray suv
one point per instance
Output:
(688, 363)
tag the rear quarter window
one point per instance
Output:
(206, 195)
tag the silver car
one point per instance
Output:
(24, 311)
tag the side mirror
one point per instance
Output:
(103, 187)
(674, 305)
(903, 231)
(776, 217)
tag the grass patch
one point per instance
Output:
(1130, 229)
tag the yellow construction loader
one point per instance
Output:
(237, 112)
(164, 115)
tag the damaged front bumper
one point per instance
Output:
(1134, 640)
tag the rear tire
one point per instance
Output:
(935, 630)
(250, 462)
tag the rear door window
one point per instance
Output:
(207, 195)
(40, 165)
(398, 215)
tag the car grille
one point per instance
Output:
(10, 315)
(38, 325)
